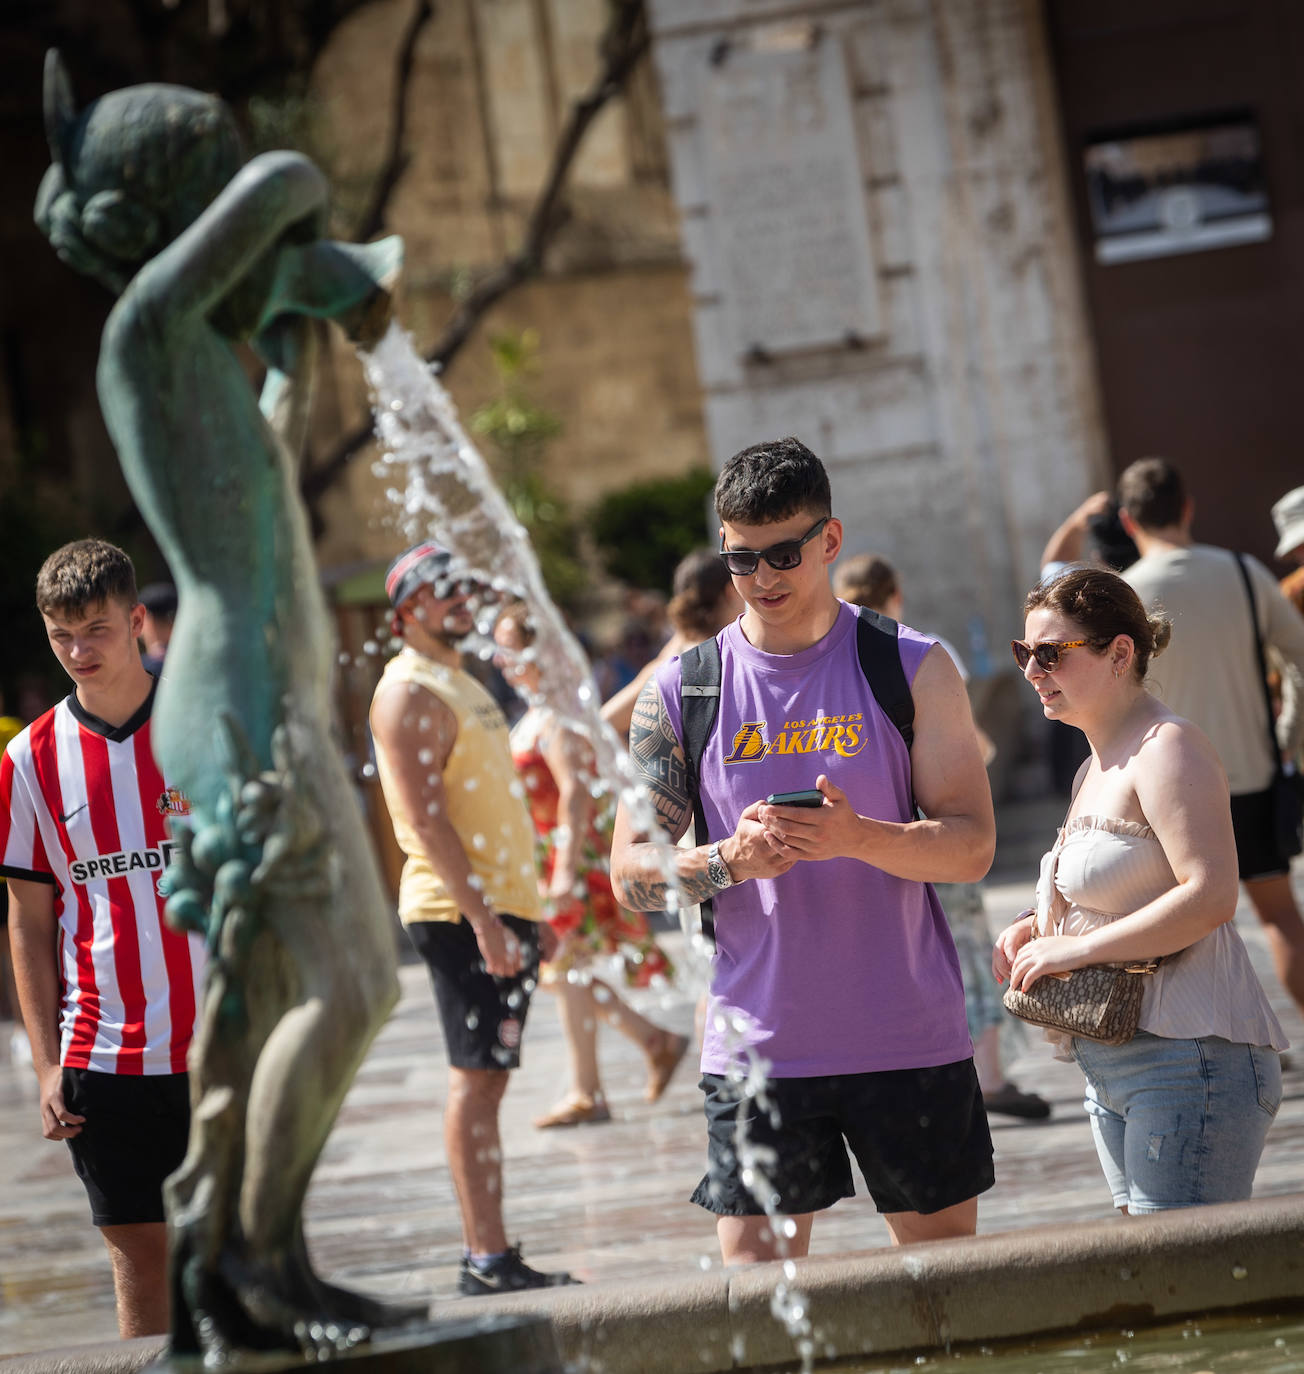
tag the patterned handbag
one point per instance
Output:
(1099, 1002)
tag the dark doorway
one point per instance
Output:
(1200, 353)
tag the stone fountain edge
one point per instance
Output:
(1116, 1273)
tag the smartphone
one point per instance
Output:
(810, 796)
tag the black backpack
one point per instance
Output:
(699, 703)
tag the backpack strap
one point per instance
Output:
(880, 661)
(699, 704)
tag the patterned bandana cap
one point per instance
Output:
(422, 563)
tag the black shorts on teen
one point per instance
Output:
(483, 1016)
(1254, 821)
(920, 1138)
(133, 1137)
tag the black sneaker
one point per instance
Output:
(507, 1274)
(1012, 1102)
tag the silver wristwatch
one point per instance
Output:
(716, 868)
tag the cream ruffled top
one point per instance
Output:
(1101, 868)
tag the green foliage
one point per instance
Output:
(643, 530)
(519, 431)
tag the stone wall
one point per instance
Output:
(492, 83)
(949, 386)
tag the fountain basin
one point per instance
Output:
(1047, 1279)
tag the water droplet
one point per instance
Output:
(368, 770)
(426, 757)
(789, 1227)
(1239, 1271)
(472, 1019)
(478, 841)
(704, 1262)
(789, 1270)
(371, 648)
(471, 784)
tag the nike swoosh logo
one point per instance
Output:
(65, 819)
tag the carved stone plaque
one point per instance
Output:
(786, 200)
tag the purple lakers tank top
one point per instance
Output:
(835, 966)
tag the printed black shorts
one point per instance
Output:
(134, 1136)
(483, 1017)
(1254, 821)
(920, 1138)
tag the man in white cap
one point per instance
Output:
(1288, 516)
(469, 897)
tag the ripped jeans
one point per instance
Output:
(1179, 1123)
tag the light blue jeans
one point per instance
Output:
(1179, 1123)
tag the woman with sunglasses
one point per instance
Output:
(1144, 866)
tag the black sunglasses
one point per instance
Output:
(1047, 653)
(782, 557)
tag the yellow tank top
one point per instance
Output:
(486, 803)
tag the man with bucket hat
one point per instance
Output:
(468, 897)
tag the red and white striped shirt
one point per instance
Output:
(83, 806)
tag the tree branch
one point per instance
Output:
(621, 46)
(395, 160)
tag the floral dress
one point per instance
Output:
(591, 923)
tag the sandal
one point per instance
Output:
(576, 1110)
(663, 1063)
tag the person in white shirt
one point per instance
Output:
(1210, 675)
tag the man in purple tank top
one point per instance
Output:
(834, 968)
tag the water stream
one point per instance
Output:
(440, 486)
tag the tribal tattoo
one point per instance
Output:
(659, 758)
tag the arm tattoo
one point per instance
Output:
(659, 758)
(656, 894)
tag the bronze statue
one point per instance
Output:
(150, 194)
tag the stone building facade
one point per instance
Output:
(887, 175)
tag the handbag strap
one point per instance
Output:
(1263, 667)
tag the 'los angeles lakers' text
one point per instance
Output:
(842, 735)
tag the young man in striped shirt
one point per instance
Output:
(107, 990)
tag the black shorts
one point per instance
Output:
(1254, 821)
(133, 1137)
(483, 1016)
(920, 1137)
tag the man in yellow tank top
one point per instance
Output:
(468, 897)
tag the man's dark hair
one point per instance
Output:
(1152, 493)
(81, 576)
(770, 482)
(160, 600)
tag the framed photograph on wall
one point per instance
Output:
(1182, 187)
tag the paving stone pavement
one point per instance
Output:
(606, 1202)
